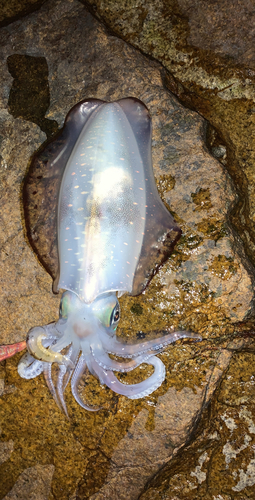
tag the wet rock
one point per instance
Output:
(102, 453)
(6, 449)
(220, 463)
(226, 30)
(33, 484)
(12, 10)
(24, 283)
(30, 101)
(147, 445)
(204, 286)
(207, 48)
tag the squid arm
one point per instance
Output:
(50, 355)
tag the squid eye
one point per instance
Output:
(115, 316)
(64, 307)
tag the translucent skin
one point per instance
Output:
(98, 200)
(102, 212)
(89, 330)
(100, 190)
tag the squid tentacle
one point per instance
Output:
(29, 367)
(133, 391)
(79, 370)
(49, 382)
(52, 330)
(65, 374)
(113, 346)
(103, 360)
(36, 348)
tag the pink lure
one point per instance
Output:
(7, 351)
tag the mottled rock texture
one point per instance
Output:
(206, 285)
(12, 10)
(33, 484)
(207, 48)
(220, 463)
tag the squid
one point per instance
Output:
(97, 223)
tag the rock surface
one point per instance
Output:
(136, 457)
(207, 47)
(206, 285)
(220, 463)
(12, 10)
(33, 484)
